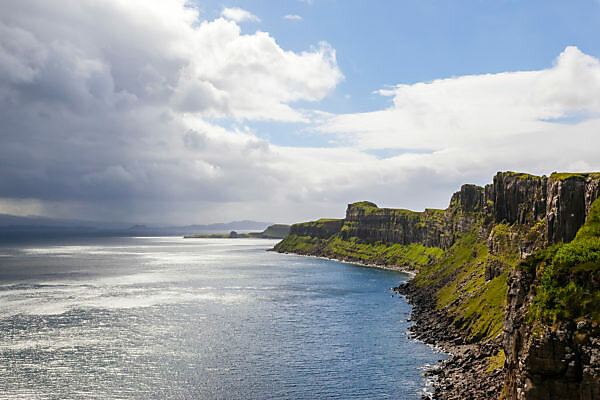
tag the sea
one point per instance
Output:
(172, 318)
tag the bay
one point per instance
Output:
(172, 318)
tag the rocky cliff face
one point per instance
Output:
(561, 203)
(568, 204)
(547, 362)
(322, 229)
(551, 323)
(469, 256)
(431, 228)
(372, 224)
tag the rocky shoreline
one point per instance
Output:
(461, 376)
(388, 267)
(464, 374)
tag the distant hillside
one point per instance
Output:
(35, 224)
(218, 228)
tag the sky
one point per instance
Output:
(182, 112)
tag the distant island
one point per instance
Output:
(276, 231)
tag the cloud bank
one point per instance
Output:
(456, 111)
(148, 119)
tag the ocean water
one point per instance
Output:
(171, 318)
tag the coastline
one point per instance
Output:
(397, 268)
(463, 375)
(436, 382)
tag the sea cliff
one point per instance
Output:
(507, 278)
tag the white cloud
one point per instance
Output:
(239, 15)
(457, 111)
(157, 53)
(293, 17)
(250, 76)
(124, 121)
(464, 129)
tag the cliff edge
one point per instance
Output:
(507, 279)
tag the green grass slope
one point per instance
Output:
(412, 256)
(569, 283)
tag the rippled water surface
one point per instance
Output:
(169, 318)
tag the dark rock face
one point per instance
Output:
(493, 268)
(469, 199)
(394, 226)
(431, 228)
(321, 229)
(566, 207)
(524, 199)
(518, 198)
(562, 362)
(592, 192)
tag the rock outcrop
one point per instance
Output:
(568, 204)
(562, 201)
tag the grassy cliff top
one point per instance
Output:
(561, 176)
(318, 223)
(435, 210)
(519, 175)
(276, 231)
(362, 204)
(556, 176)
(368, 208)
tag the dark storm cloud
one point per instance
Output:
(116, 110)
(91, 95)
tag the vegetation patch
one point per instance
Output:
(483, 312)
(496, 361)
(520, 175)
(300, 244)
(562, 176)
(412, 255)
(569, 276)
(476, 305)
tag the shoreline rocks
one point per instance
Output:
(465, 374)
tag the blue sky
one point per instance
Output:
(381, 43)
(173, 111)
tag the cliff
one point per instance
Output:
(480, 271)
(551, 327)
